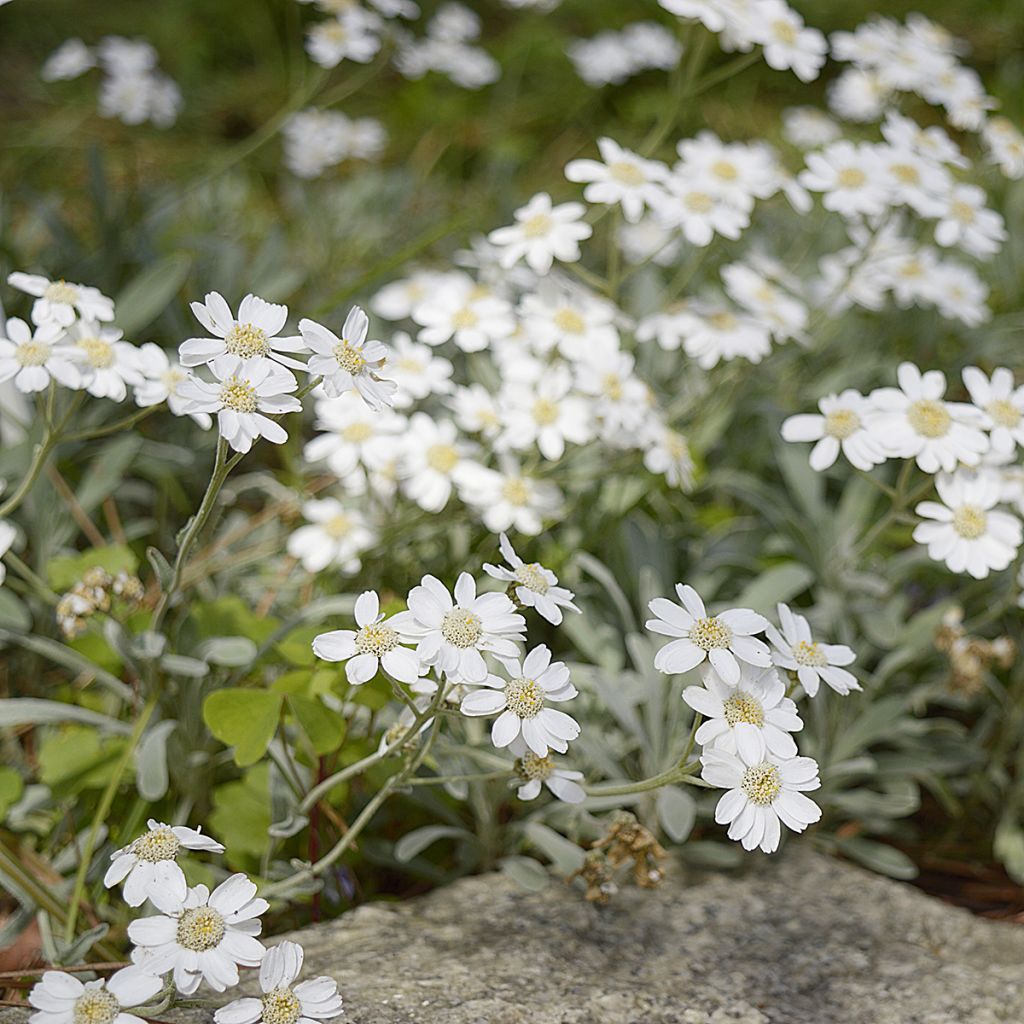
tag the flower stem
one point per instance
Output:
(679, 773)
(106, 802)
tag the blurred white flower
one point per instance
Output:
(1002, 402)
(62, 302)
(545, 414)
(542, 234)
(417, 371)
(462, 311)
(353, 34)
(620, 177)
(433, 461)
(107, 364)
(842, 425)
(161, 379)
(71, 59)
(851, 176)
(315, 140)
(335, 537)
(507, 499)
(32, 358)
(965, 221)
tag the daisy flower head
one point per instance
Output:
(532, 585)
(59, 997)
(149, 863)
(434, 460)
(284, 1002)
(521, 703)
(797, 651)
(245, 393)
(417, 371)
(255, 334)
(754, 715)
(915, 422)
(965, 221)
(965, 529)
(725, 639)
(542, 233)
(533, 771)
(850, 176)
(842, 425)
(764, 791)
(546, 414)
(787, 42)
(62, 302)
(460, 310)
(506, 498)
(349, 363)
(33, 358)
(334, 536)
(161, 378)
(107, 364)
(351, 435)
(1002, 401)
(353, 34)
(374, 645)
(620, 177)
(205, 936)
(451, 635)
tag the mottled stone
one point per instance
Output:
(797, 940)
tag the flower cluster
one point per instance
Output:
(612, 57)
(317, 140)
(196, 936)
(133, 89)
(971, 448)
(439, 646)
(447, 48)
(748, 712)
(96, 591)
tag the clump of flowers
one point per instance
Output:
(97, 592)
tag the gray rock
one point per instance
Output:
(801, 939)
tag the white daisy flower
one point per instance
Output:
(763, 791)
(725, 639)
(797, 651)
(417, 371)
(434, 460)
(965, 221)
(752, 716)
(244, 394)
(351, 35)
(59, 997)
(915, 422)
(533, 585)
(697, 211)
(352, 435)
(208, 935)
(966, 531)
(533, 771)
(161, 378)
(335, 536)
(476, 411)
(149, 863)
(374, 645)
(508, 499)
(667, 454)
(71, 59)
(62, 302)
(850, 176)
(284, 1002)
(462, 311)
(397, 300)
(842, 425)
(787, 42)
(253, 335)
(452, 635)
(620, 177)
(521, 703)
(542, 233)
(571, 319)
(32, 358)
(1002, 401)
(711, 333)
(349, 363)
(107, 363)
(784, 315)
(545, 414)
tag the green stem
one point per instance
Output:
(39, 457)
(106, 802)
(725, 72)
(36, 582)
(678, 773)
(443, 780)
(113, 428)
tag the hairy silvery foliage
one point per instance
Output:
(536, 541)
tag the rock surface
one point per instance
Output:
(799, 940)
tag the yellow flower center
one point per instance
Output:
(698, 202)
(545, 412)
(281, 1006)
(32, 353)
(239, 395)
(743, 707)
(1005, 413)
(356, 432)
(461, 628)
(442, 457)
(156, 845)
(969, 521)
(723, 321)
(338, 526)
(95, 1006)
(246, 341)
(725, 169)
(538, 225)
(376, 640)
(906, 173)
(516, 491)
(98, 352)
(349, 359)
(612, 386)
(851, 177)
(710, 634)
(524, 698)
(464, 318)
(962, 211)
(841, 423)
(808, 654)
(530, 767)
(929, 418)
(62, 292)
(762, 784)
(784, 31)
(627, 173)
(200, 929)
(569, 321)
(532, 577)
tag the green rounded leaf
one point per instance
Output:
(243, 719)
